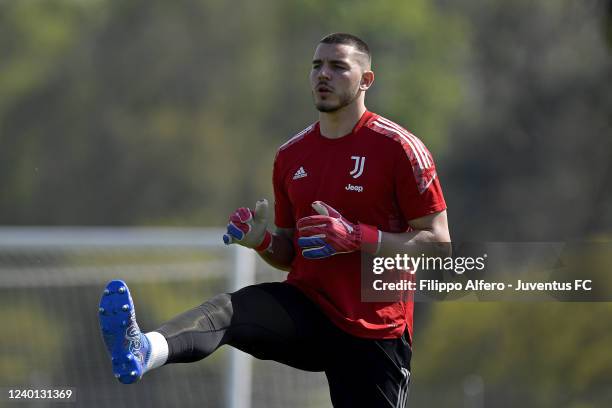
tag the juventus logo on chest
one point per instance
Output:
(359, 163)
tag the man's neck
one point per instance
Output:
(334, 125)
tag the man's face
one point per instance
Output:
(336, 75)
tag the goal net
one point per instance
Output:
(50, 283)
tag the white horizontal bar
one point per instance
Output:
(110, 237)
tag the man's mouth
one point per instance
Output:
(324, 90)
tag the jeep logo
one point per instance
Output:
(351, 187)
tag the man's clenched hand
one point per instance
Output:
(329, 233)
(248, 227)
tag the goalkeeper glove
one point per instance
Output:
(247, 227)
(329, 233)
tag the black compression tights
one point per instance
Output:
(198, 332)
(259, 320)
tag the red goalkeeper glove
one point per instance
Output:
(248, 227)
(329, 233)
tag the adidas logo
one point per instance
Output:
(300, 173)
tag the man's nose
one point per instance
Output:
(324, 72)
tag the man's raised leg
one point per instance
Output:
(271, 321)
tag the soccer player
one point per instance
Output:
(351, 182)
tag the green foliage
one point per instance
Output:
(149, 112)
(545, 354)
(551, 353)
(26, 356)
(531, 150)
(35, 37)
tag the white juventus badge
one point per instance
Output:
(359, 162)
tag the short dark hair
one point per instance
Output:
(347, 39)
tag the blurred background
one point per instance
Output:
(168, 114)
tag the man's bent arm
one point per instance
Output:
(281, 253)
(430, 235)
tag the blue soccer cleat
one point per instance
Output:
(128, 347)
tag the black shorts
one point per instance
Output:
(276, 321)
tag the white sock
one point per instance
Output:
(159, 350)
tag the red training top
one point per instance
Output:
(379, 174)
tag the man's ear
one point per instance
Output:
(367, 79)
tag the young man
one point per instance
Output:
(354, 181)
